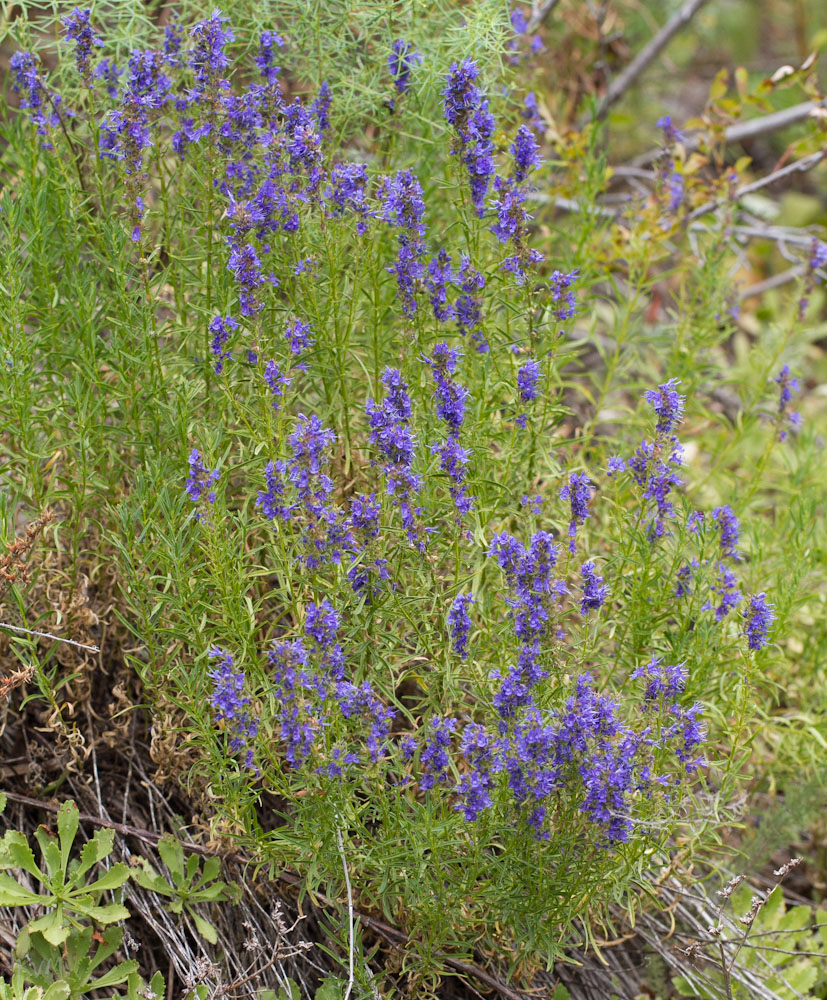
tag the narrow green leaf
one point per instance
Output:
(68, 819)
(114, 976)
(117, 875)
(204, 928)
(12, 893)
(172, 854)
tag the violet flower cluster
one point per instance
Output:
(391, 434)
(511, 226)
(403, 207)
(299, 492)
(451, 398)
(654, 463)
(42, 104)
(466, 110)
(200, 486)
(758, 617)
(401, 62)
(232, 706)
(79, 30)
(459, 624)
(670, 178)
(786, 416)
(314, 697)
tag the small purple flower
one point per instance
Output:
(531, 112)
(668, 404)
(277, 382)
(440, 275)
(35, 95)
(758, 617)
(401, 61)
(594, 590)
(466, 109)
(668, 681)
(577, 491)
(511, 227)
(670, 133)
(231, 706)
(391, 434)
(816, 261)
(468, 308)
(451, 397)
(320, 108)
(346, 192)
(526, 153)
(518, 21)
(684, 578)
(727, 522)
(402, 202)
(528, 378)
(108, 72)
(79, 30)
(208, 57)
(173, 37)
(404, 208)
(615, 465)
(434, 758)
(729, 596)
(459, 623)
(201, 481)
(535, 502)
(787, 386)
(696, 520)
(222, 328)
(560, 286)
(299, 335)
(266, 58)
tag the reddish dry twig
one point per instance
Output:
(14, 562)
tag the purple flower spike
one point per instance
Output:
(80, 31)
(528, 378)
(758, 618)
(230, 705)
(594, 591)
(668, 405)
(201, 481)
(727, 522)
(401, 61)
(222, 328)
(578, 492)
(459, 623)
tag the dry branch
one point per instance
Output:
(647, 55)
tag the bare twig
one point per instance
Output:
(48, 635)
(800, 166)
(647, 55)
(742, 131)
(350, 940)
(540, 15)
(782, 278)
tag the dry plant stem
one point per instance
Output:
(349, 989)
(800, 166)
(540, 14)
(791, 274)
(393, 935)
(743, 131)
(48, 635)
(647, 55)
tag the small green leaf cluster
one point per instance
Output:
(68, 952)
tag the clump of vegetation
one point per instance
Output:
(459, 581)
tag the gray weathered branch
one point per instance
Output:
(647, 55)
